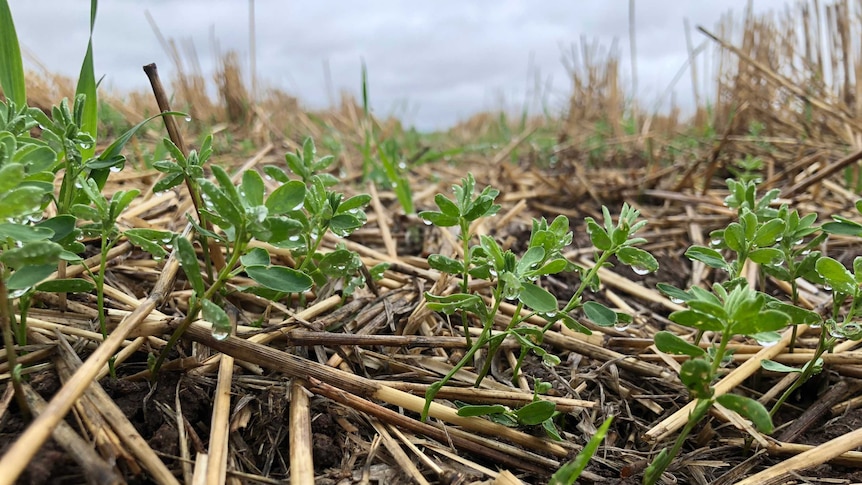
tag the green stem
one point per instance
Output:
(222, 278)
(9, 343)
(434, 388)
(465, 282)
(495, 344)
(574, 302)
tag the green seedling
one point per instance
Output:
(539, 412)
(739, 310)
(569, 473)
(295, 216)
(517, 278)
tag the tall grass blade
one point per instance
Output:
(87, 86)
(11, 66)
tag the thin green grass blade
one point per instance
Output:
(87, 87)
(11, 66)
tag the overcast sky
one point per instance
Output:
(431, 63)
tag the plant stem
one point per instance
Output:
(9, 343)
(574, 302)
(465, 282)
(223, 276)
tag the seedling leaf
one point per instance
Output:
(748, 408)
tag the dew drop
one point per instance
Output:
(169, 246)
(426, 222)
(797, 242)
(188, 119)
(678, 301)
(779, 238)
(219, 334)
(640, 270)
(715, 242)
(116, 169)
(768, 343)
(293, 238)
(827, 288)
(19, 292)
(621, 326)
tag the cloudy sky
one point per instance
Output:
(431, 63)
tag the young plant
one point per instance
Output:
(569, 473)
(295, 216)
(730, 312)
(539, 412)
(776, 240)
(515, 278)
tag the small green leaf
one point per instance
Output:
(537, 298)
(481, 410)
(573, 324)
(768, 233)
(255, 257)
(773, 366)
(446, 206)
(66, 285)
(189, 262)
(445, 264)
(675, 294)
(251, 189)
(600, 314)
(707, 256)
(24, 233)
(766, 256)
(29, 276)
(734, 237)
(695, 319)
(280, 278)
(641, 261)
(536, 412)
(697, 377)
(219, 202)
(836, 275)
(34, 253)
(748, 408)
(439, 219)
(674, 345)
(599, 237)
(342, 225)
(217, 316)
(571, 471)
(288, 197)
(449, 304)
(354, 203)
(339, 263)
(530, 260)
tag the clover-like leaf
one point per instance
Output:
(189, 261)
(600, 314)
(536, 412)
(748, 408)
(66, 285)
(445, 264)
(537, 298)
(280, 278)
(696, 375)
(707, 256)
(641, 261)
(33, 253)
(672, 344)
(218, 317)
(836, 275)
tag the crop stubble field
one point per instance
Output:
(309, 328)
